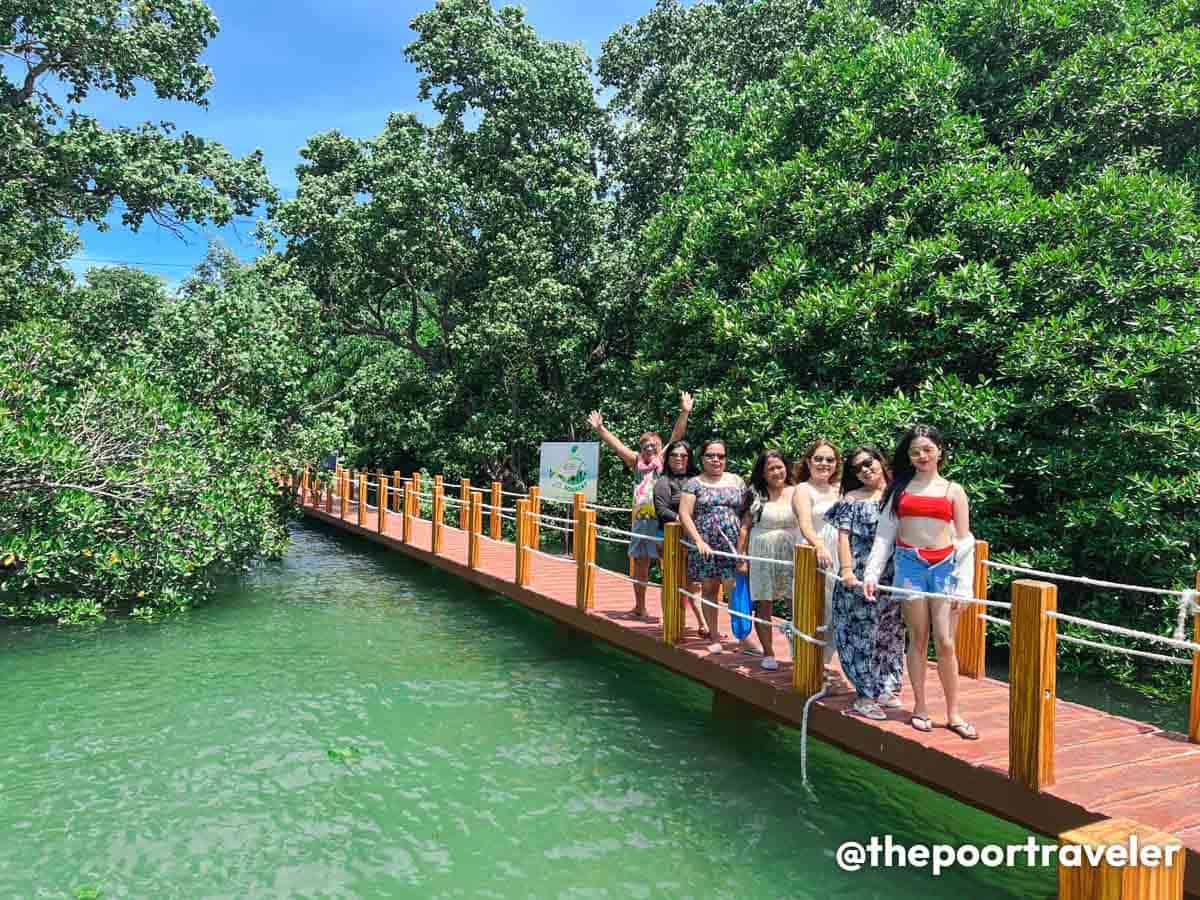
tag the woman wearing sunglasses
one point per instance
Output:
(667, 492)
(647, 465)
(926, 527)
(710, 510)
(869, 633)
(817, 490)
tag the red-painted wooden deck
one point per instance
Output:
(1106, 766)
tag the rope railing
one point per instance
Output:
(741, 557)
(608, 529)
(623, 577)
(783, 625)
(1126, 632)
(1128, 651)
(1092, 582)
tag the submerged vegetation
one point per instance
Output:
(834, 218)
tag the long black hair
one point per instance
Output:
(904, 471)
(758, 477)
(850, 479)
(691, 471)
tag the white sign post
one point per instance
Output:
(569, 467)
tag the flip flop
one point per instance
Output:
(868, 709)
(921, 723)
(964, 730)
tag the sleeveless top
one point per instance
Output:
(643, 488)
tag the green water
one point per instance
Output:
(477, 755)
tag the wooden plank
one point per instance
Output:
(808, 602)
(970, 639)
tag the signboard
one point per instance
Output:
(569, 467)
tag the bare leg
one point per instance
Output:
(943, 621)
(641, 571)
(765, 637)
(710, 589)
(916, 615)
(701, 628)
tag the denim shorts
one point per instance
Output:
(641, 548)
(915, 574)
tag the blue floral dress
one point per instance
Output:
(718, 518)
(870, 636)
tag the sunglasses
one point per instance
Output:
(831, 460)
(864, 464)
(649, 446)
(714, 455)
(680, 455)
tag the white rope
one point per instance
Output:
(555, 528)
(804, 732)
(623, 577)
(788, 629)
(558, 501)
(1126, 650)
(1127, 632)
(552, 556)
(511, 518)
(513, 493)
(546, 518)
(995, 621)
(620, 509)
(1115, 585)
(620, 542)
(966, 601)
(738, 556)
(630, 534)
(1189, 605)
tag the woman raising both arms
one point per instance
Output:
(926, 524)
(647, 465)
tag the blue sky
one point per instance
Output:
(287, 69)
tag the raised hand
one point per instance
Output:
(686, 402)
(595, 419)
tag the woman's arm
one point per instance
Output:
(597, 422)
(802, 510)
(687, 503)
(685, 409)
(662, 502)
(962, 510)
(846, 559)
(743, 541)
(881, 550)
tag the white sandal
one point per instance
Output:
(868, 709)
(769, 663)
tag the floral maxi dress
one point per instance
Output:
(718, 515)
(869, 636)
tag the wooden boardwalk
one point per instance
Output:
(1106, 766)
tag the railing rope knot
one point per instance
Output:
(1189, 605)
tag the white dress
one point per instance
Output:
(774, 535)
(827, 534)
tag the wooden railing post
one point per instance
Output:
(579, 502)
(585, 559)
(439, 515)
(808, 606)
(382, 503)
(362, 500)
(464, 503)
(474, 526)
(672, 602)
(329, 486)
(415, 484)
(535, 510)
(397, 483)
(970, 640)
(406, 522)
(519, 554)
(1194, 716)
(344, 494)
(494, 520)
(1128, 861)
(1032, 676)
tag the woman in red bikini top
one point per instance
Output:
(929, 518)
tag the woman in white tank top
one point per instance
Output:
(770, 531)
(817, 473)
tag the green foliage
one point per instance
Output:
(860, 253)
(115, 490)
